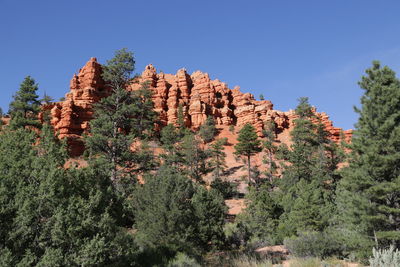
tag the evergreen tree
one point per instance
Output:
(25, 105)
(194, 157)
(169, 140)
(262, 97)
(120, 118)
(368, 196)
(309, 177)
(46, 99)
(164, 213)
(208, 130)
(248, 145)
(52, 216)
(261, 216)
(181, 122)
(209, 211)
(218, 157)
(270, 149)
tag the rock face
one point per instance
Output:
(196, 96)
(70, 118)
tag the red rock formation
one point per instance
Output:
(196, 94)
(70, 118)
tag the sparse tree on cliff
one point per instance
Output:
(208, 130)
(121, 117)
(368, 194)
(218, 156)
(270, 148)
(195, 158)
(26, 105)
(46, 99)
(248, 145)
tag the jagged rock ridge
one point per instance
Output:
(197, 94)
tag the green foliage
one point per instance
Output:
(183, 260)
(385, 257)
(309, 178)
(368, 196)
(262, 97)
(194, 157)
(52, 216)
(313, 244)
(174, 214)
(120, 118)
(248, 145)
(209, 211)
(218, 157)
(164, 213)
(270, 150)
(261, 216)
(46, 99)
(25, 105)
(232, 128)
(208, 130)
(225, 188)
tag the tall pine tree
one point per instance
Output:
(25, 106)
(307, 178)
(121, 117)
(248, 145)
(369, 194)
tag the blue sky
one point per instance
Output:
(281, 49)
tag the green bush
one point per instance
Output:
(385, 257)
(183, 260)
(226, 188)
(313, 244)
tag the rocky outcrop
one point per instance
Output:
(195, 96)
(70, 118)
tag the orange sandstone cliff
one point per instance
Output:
(197, 94)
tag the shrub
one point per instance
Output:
(385, 257)
(183, 260)
(313, 244)
(236, 234)
(226, 188)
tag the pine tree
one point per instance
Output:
(52, 216)
(46, 99)
(368, 195)
(248, 145)
(309, 178)
(164, 213)
(120, 118)
(169, 140)
(208, 130)
(25, 106)
(209, 211)
(218, 157)
(261, 216)
(270, 149)
(194, 157)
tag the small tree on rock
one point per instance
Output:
(248, 145)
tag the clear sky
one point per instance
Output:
(281, 49)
